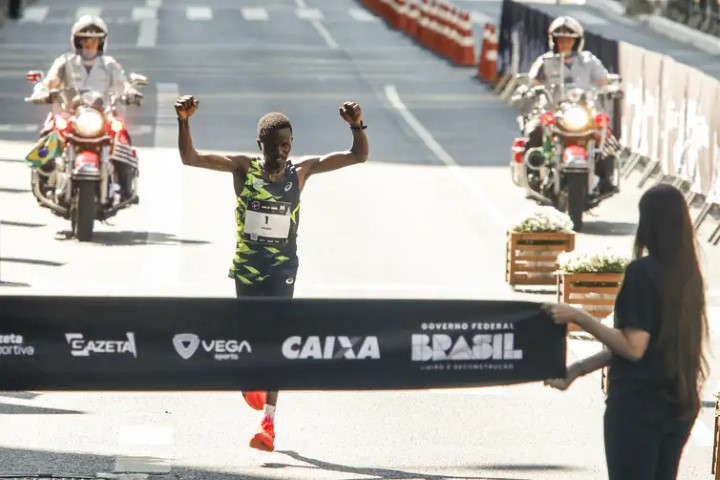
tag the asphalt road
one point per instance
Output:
(437, 170)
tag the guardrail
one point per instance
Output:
(702, 15)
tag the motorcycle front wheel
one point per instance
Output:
(83, 217)
(576, 198)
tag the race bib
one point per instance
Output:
(267, 222)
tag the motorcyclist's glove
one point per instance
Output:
(134, 97)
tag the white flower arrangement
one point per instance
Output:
(544, 219)
(606, 261)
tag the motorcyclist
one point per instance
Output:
(88, 68)
(583, 70)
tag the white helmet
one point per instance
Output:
(568, 27)
(89, 26)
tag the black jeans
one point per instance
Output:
(644, 440)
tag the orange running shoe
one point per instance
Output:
(265, 438)
(256, 399)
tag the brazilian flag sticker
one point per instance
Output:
(47, 148)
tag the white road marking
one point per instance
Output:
(309, 14)
(199, 13)
(362, 15)
(96, 11)
(143, 13)
(161, 192)
(254, 14)
(149, 25)
(325, 34)
(488, 206)
(34, 14)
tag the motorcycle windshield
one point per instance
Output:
(90, 98)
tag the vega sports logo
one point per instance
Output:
(187, 344)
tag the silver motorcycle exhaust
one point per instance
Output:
(44, 201)
(534, 158)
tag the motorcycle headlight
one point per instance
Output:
(576, 118)
(89, 123)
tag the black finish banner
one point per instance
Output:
(162, 344)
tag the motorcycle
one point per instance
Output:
(81, 183)
(561, 172)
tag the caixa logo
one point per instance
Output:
(331, 348)
(80, 347)
(498, 346)
(186, 344)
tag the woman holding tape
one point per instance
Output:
(655, 353)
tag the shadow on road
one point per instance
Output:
(609, 228)
(128, 239)
(19, 395)
(31, 261)
(10, 223)
(549, 290)
(14, 190)
(12, 409)
(21, 463)
(12, 160)
(374, 471)
(5, 283)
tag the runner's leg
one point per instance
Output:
(255, 399)
(282, 287)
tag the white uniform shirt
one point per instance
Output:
(106, 76)
(585, 71)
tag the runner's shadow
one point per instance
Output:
(370, 471)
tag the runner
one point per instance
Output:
(267, 214)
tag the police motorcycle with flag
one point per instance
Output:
(84, 167)
(566, 156)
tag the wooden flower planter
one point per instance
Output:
(531, 258)
(593, 292)
(716, 444)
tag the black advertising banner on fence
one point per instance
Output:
(126, 344)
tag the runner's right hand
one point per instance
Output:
(185, 106)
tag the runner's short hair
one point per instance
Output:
(271, 122)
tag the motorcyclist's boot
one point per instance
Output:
(605, 169)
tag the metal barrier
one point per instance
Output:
(702, 15)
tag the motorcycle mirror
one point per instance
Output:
(137, 79)
(34, 76)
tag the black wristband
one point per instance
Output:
(361, 127)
